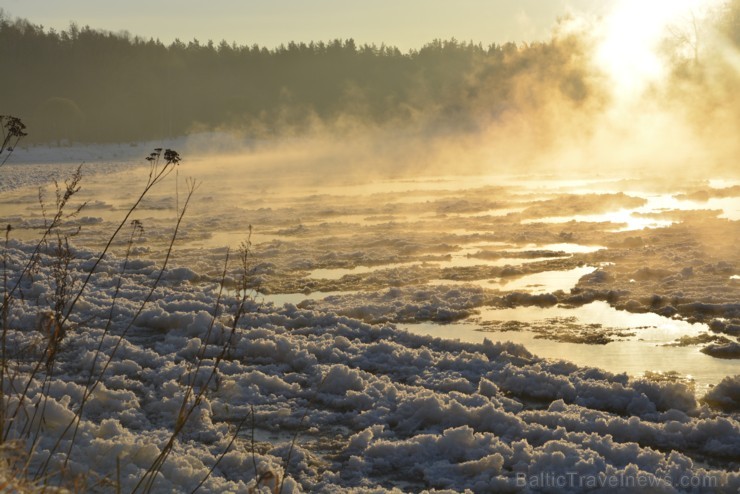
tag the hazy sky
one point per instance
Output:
(402, 23)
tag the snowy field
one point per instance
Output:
(490, 334)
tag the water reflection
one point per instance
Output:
(544, 282)
(338, 273)
(280, 299)
(633, 355)
(624, 217)
(568, 248)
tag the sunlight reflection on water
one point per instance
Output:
(634, 355)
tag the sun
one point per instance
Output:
(630, 38)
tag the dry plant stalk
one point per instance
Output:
(157, 173)
(53, 322)
(187, 408)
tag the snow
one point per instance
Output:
(726, 394)
(369, 406)
(435, 413)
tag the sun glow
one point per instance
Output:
(633, 32)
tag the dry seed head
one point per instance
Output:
(14, 126)
(171, 156)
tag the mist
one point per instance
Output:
(644, 91)
(585, 102)
(643, 88)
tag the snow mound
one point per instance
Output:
(725, 395)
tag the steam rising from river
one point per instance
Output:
(653, 95)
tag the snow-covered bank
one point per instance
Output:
(39, 165)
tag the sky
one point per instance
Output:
(406, 24)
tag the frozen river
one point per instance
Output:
(480, 322)
(483, 237)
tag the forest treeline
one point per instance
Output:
(87, 85)
(83, 84)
